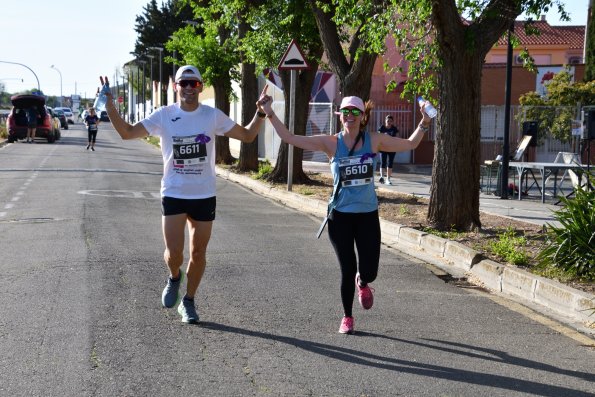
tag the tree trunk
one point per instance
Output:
(454, 194)
(222, 90)
(249, 151)
(249, 87)
(355, 75)
(305, 78)
(590, 45)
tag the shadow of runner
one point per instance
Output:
(416, 368)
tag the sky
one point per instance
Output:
(84, 40)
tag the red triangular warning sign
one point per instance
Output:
(293, 58)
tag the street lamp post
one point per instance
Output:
(60, 73)
(507, 93)
(160, 49)
(144, 93)
(173, 67)
(20, 64)
(151, 88)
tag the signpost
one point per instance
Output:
(292, 60)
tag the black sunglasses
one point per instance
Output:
(191, 83)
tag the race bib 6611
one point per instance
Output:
(189, 151)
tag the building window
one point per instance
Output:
(575, 60)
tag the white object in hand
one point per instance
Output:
(101, 99)
(429, 109)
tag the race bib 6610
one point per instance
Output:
(353, 171)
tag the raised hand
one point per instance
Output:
(105, 91)
(426, 119)
(265, 102)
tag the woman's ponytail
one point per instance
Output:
(366, 114)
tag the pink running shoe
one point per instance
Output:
(346, 326)
(365, 294)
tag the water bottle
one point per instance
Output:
(101, 98)
(430, 109)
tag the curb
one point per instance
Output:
(569, 305)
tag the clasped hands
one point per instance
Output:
(265, 102)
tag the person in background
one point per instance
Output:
(187, 130)
(387, 158)
(92, 122)
(32, 115)
(353, 208)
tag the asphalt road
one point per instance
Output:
(82, 273)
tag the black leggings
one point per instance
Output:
(363, 229)
(92, 135)
(387, 159)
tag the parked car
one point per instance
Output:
(68, 113)
(16, 123)
(62, 117)
(55, 122)
(104, 116)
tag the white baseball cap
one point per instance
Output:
(352, 101)
(188, 72)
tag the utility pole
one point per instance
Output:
(160, 49)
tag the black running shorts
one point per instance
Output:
(197, 209)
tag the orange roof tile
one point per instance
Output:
(572, 36)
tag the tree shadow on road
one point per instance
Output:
(433, 371)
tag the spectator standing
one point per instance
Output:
(32, 115)
(387, 158)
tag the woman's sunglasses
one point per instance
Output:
(191, 83)
(355, 112)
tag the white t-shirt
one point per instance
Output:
(188, 148)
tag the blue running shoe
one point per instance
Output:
(188, 311)
(170, 295)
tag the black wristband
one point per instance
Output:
(261, 115)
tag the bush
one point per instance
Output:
(571, 247)
(510, 248)
(264, 168)
(3, 132)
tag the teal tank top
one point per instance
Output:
(356, 176)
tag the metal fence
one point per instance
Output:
(322, 120)
(492, 132)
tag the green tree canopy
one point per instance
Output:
(556, 111)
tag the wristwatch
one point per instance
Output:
(261, 115)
